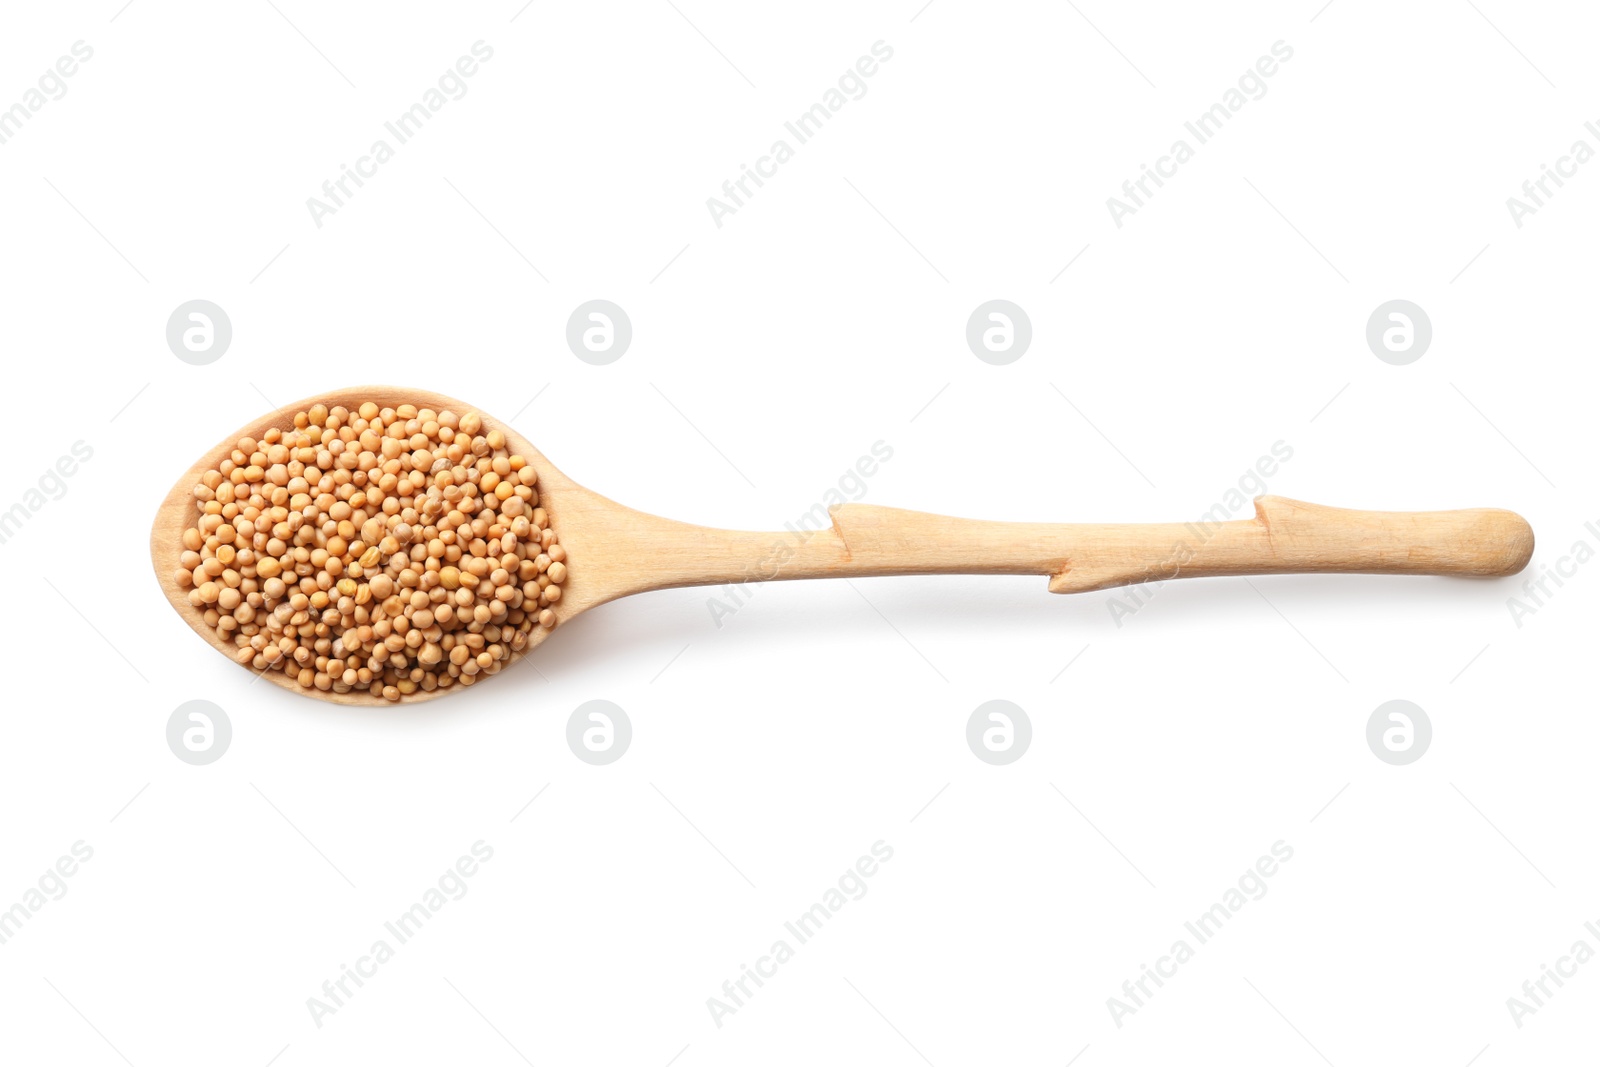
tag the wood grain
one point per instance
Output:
(615, 551)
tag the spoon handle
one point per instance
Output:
(1284, 536)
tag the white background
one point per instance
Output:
(827, 314)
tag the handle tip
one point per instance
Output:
(1473, 542)
(1508, 543)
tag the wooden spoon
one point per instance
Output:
(614, 551)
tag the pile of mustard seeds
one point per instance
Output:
(387, 550)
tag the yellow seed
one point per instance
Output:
(292, 528)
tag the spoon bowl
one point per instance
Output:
(566, 502)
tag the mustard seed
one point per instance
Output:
(388, 550)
